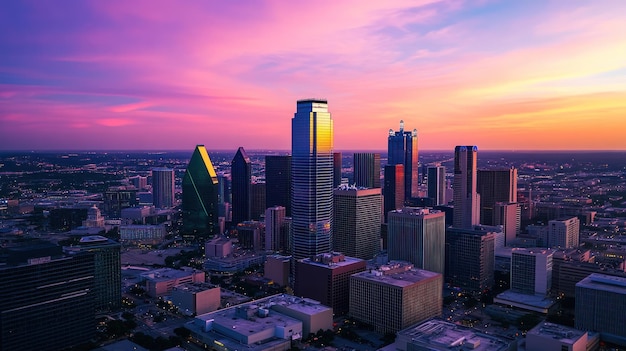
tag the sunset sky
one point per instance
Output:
(164, 75)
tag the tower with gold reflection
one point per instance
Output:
(200, 196)
(312, 178)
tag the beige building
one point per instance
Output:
(395, 296)
(277, 269)
(159, 282)
(554, 337)
(196, 298)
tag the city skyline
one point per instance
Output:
(504, 76)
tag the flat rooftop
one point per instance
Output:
(537, 303)
(440, 335)
(556, 331)
(346, 261)
(604, 282)
(399, 279)
(228, 319)
(165, 274)
(195, 287)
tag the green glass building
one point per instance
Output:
(200, 190)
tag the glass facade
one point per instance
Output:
(278, 182)
(312, 178)
(200, 190)
(163, 187)
(402, 150)
(465, 196)
(241, 175)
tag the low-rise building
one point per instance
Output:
(159, 282)
(196, 298)
(554, 337)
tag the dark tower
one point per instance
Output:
(367, 170)
(402, 150)
(200, 189)
(241, 176)
(278, 182)
(393, 190)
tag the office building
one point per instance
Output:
(554, 337)
(417, 235)
(438, 335)
(395, 296)
(218, 247)
(196, 298)
(564, 233)
(107, 271)
(241, 177)
(508, 215)
(470, 257)
(163, 187)
(137, 234)
(402, 150)
(115, 199)
(495, 185)
(531, 271)
(366, 169)
(159, 282)
(337, 164)
(276, 229)
(393, 190)
(437, 185)
(251, 235)
(312, 179)
(357, 219)
(601, 307)
(277, 268)
(47, 299)
(326, 278)
(139, 182)
(278, 182)
(466, 199)
(200, 195)
(257, 200)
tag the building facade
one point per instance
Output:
(402, 150)
(466, 199)
(312, 178)
(276, 229)
(366, 169)
(241, 177)
(495, 185)
(200, 196)
(437, 185)
(564, 233)
(278, 182)
(601, 306)
(393, 189)
(163, 187)
(417, 235)
(470, 257)
(357, 219)
(531, 271)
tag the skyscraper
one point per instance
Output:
(276, 238)
(257, 200)
(357, 219)
(337, 164)
(312, 178)
(470, 258)
(495, 185)
(508, 215)
(564, 233)
(601, 306)
(241, 176)
(437, 185)
(367, 169)
(531, 271)
(200, 190)
(278, 182)
(393, 190)
(163, 187)
(417, 235)
(46, 299)
(402, 150)
(466, 199)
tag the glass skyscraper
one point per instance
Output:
(402, 150)
(465, 196)
(163, 187)
(312, 178)
(241, 175)
(200, 189)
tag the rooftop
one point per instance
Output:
(537, 303)
(556, 331)
(165, 274)
(397, 274)
(440, 335)
(331, 260)
(195, 287)
(604, 282)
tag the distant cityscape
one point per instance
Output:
(313, 248)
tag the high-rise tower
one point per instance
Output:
(495, 185)
(200, 189)
(437, 185)
(402, 150)
(278, 182)
(241, 176)
(393, 190)
(312, 178)
(367, 169)
(163, 187)
(466, 201)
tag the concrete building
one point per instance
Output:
(554, 337)
(465, 194)
(508, 215)
(163, 187)
(366, 169)
(278, 182)
(251, 235)
(417, 235)
(395, 296)
(266, 324)
(564, 233)
(437, 335)
(470, 257)
(142, 234)
(159, 282)
(233, 263)
(218, 247)
(277, 268)
(276, 229)
(601, 306)
(196, 298)
(531, 271)
(326, 278)
(357, 219)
